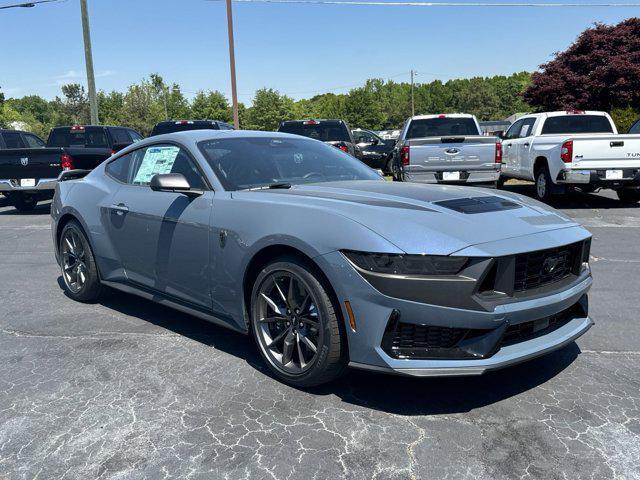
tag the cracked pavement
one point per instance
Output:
(128, 389)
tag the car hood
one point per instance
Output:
(432, 219)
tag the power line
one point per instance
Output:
(28, 4)
(438, 4)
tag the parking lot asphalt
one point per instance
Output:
(128, 389)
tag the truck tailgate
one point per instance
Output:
(452, 153)
(606, 151)
(37, 163)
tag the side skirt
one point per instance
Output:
(177, 304)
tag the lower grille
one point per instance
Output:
(424, 342)
(537, 328)
(536, 269)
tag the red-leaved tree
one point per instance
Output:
(600, 71)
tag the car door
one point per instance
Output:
(163, 237)
(509, 153)
(524, 140)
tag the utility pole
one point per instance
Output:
(232, 65)
(88, 58)
(413, 110)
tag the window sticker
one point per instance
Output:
(157, 160)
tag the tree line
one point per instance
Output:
(377, 105)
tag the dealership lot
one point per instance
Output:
(128, 389)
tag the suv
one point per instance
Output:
(333, 132)
(171, 126)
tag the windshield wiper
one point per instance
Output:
(271, 186)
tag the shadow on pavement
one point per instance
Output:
(573, 199)
(42, 208)
(384, 392)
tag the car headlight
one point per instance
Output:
(401, 264)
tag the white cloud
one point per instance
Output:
(75, 75)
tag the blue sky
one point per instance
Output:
(299, 50)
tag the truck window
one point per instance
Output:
(12, 140)
(323, 131)
(514, 130)
(120, 135)
(635, 128)
(33, 141)
(576, 124)
(91, 137)
(527, 127)
(442, 127)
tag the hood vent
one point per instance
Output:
(478, 204)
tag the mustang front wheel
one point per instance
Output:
(295, 324)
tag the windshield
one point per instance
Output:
(323, 131)
(250, 162)
(162, 128)
(91, 137)
(577, 124)
(442, 127)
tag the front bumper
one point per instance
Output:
(373, 311)
(466, 176)
(13, 185)
(597, 177)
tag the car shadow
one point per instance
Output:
(42, 208)
(384, 392)
(572, 199)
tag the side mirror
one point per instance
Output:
(173, 182)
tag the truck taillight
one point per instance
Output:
(66, 161)
(405, 155)
(343, 148)
(566, 152)
(498, 152)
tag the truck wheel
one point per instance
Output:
(295, 324)
(24, 203)
(544, 184)
(500, 182)
(629, 195)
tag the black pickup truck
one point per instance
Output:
(29, 168)
(333, 132)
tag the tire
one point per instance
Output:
(315, 333)
(543, 183)
(24, 203)
(77, 263)
(500, 182)
(629, 195)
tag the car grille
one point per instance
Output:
(536, 328)
(542, 267)
(422, 342)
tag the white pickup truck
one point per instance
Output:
(446, 148)
(572, 149)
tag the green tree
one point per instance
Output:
(268, 110)
(73, 109)
(211, 105)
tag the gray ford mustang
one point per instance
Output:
(321, 260)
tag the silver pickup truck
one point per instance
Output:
(446, 148)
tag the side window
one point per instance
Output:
(120, 135)
(362, 137)
(33, 141)
(514, 130)
(120, 168)
(12, 140)
(160, 159)
(135, 136)
(635, 128)
(527, 127)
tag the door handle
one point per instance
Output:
(120, 208)
(526, 144)
(508, 145)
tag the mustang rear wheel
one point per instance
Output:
(295, 325)
(79, 271)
